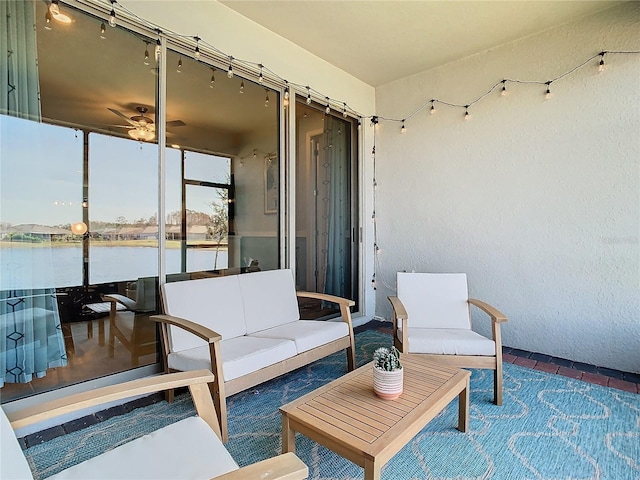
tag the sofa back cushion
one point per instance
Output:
(13, 464)
(212, 302)
(435, 300)
(269, 299)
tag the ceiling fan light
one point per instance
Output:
(142, 134)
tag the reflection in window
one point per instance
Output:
(123, 192)
(40, 200)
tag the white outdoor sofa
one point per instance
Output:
(246, 329)
(188, 449)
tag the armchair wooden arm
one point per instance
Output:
(345, 312)
(399, 314)
(213, 339)
(283, 467)
(494, 313)
(197, 381)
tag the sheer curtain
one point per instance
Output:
(31, 340)
(334, 210)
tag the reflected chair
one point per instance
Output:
(431, 316)
(188, 449)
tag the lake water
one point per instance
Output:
(41, 267)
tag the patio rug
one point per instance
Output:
(549, 427)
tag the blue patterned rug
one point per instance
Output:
(550, 427)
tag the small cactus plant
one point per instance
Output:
(387, 359)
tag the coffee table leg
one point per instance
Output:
(371, 469)
(463, 409)
(288, 436)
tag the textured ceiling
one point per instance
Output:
(382, 41)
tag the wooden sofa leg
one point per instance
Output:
(351, 359)
(220, 403)
(497, 385)
(169, 395)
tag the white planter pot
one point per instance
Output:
(387, 385)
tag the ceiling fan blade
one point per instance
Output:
(123, 116)
(176, 123)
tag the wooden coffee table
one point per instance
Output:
(347, 417)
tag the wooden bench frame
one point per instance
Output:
(220, 390)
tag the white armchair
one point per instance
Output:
(188, 449)
(431, 316)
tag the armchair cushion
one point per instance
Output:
(13, 463)
(449, 341)
(269, 299)
(241, 355)
(157, 456)
(212, 302)
(307, 334)
(435, 300)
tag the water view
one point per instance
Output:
(40, 267)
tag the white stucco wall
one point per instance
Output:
(537, 200)
(242, 38)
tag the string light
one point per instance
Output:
(112, 14)
(230, 70)
(103, 31)
(374, 122)
(266, 100)
(47, 20)
(467, 115)
(286, 90)
(196, 52)
(327, 109)
(242, 86)
(344, 110)
(212, 83)
(179, 67)
(547, 94)
(157, 50)
(403, 129)
(308, 95)
(432, 111)
(601, 65)
(504, 92)
(261, 77)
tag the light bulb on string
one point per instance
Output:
(344, 110)
(286, 90)
(242, 86)
(547, 93)
(230, 70)
(601, 65)
(196, 51)
(47, 20)
(432, 110)
(375, 184)
(146, 53)
(212, 82)
(308, 95)
(266, 100)
(157, 50)
(504, 92)
(374, 122)
(467, 115)
(179, 66)
(103, 31)
(112, 14)
(261, 77)
(403, 129)
(327, 109)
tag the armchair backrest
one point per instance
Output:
(215, 303)
(435, 300)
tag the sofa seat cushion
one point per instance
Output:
(307, 334)
(241, 355)
(269, 299)
(448, 341)
(154, 456)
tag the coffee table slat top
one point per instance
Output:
(352, 415)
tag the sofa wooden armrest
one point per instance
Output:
(283, 467)
(201, 331)
(494, 313)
